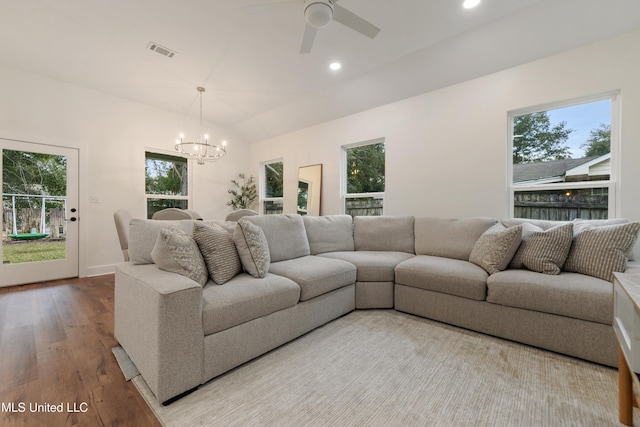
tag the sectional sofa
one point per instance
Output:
(199, 298)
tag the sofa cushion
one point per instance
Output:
(540, 223)
(285, 235)
(143, 234)
(495, 248)
(177, 252)
(252, 248)
(544, 251)
(373, 266)
(383, 233)
(219, 252)
(245, 298)
(601, 251)
(329, 233)
(444, 275)
(315, 275)
(449, 237)
(567, 294)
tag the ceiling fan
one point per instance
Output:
(319, 13)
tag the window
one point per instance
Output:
(303, 197)
(272, 187)
(564, 160)
(166, 182)
(363, 179)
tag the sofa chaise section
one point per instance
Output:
(379, 245)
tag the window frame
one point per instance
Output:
(343, 172)
(263, 185)
(614, 178)
(188, 197)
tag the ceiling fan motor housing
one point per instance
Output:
(318, 13)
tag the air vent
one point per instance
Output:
(161, 49)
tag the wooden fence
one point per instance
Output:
(560, 207)
(364, 207)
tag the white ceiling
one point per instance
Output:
(247, 56)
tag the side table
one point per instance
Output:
(626, 324)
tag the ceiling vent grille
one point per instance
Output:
(161, 49)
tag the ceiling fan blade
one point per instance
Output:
(309, 37)
(353, 21)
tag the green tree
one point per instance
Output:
(366, 169)
(599, 141)
(33, 173)
(165, 175)
(536, 140)
(274, 174)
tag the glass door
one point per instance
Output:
(39, 213)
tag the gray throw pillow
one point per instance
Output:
(495, 247)
(177, 252)
(219, 252)
(252, 248)
(544, 251)
(601, 251)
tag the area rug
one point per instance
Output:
(384, 368)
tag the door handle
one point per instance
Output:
(73, 218)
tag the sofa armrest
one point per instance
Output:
(158, 322)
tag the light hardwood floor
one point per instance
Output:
(55, 353)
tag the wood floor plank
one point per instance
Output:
(55, 353)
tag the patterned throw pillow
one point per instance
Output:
(177, 252)
(601, 251)
(252, 247)
(219, 252)
(544, 251)
(495, 247)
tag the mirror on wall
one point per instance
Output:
(310, 189)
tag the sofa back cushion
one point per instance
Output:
(383, 233)
(285, 234)
(331, 233)
(540, 223)
(449, 237)
(143, 234)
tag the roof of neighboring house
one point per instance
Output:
(551, 170)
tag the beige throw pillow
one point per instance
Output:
(253, 248)
(177, 252)
(219, 252)
(495, 247)
(544, 251)
(601, 251)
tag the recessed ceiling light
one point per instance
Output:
(470, 4)
(335, 66)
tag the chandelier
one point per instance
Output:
(201, 150)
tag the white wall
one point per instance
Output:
(447, 149)
(111, 135)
